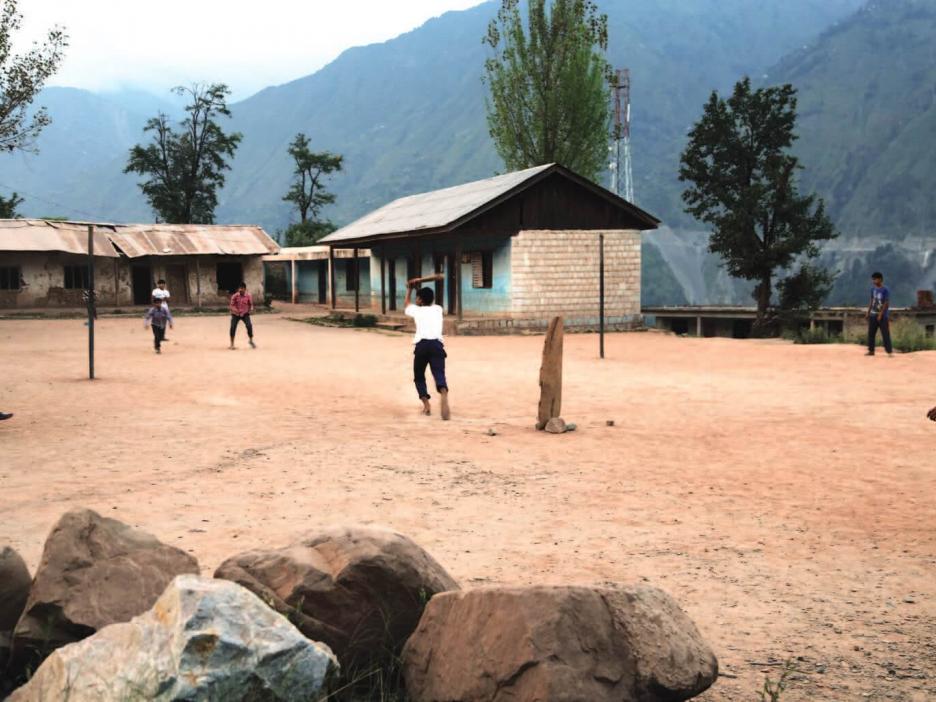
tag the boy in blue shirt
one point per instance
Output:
(878, 314)
(158, 317)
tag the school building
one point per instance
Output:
(44, 263)
(514, 251)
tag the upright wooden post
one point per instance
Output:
(383, 286)
(458, 279)
(550, 404)
(292, 279)
(91, 302)
(356, 267)
(331, 275)
(198, 281)
(601, 295)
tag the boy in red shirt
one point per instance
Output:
(241, 307)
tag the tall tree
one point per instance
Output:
(185, 168)
(21, 78)
(9, 205)
(549, 85)
(311, 170)
(742, 183)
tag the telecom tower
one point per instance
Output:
(622, 179)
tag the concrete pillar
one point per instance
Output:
(294, 285)
(698, 327)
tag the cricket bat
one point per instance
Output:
(427, 278)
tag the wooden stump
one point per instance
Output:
(550, 404)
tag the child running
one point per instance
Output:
(241, 307)
(428, 348)
(156, 317)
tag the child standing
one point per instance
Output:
(428, 348)
(241, 307)
(162, 294)
(157, 317)
(878, 314)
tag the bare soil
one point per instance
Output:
(783, 494)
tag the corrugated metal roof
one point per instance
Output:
(431, 210)
(42, 235)
(135, 240)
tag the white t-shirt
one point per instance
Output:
(428, 321)
(163, 295)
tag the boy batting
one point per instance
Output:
(428, 349)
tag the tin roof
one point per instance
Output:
(135, 240)
(43, 235)
(448, 208)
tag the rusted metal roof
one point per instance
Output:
(43, 235)
(443, 210)
(135, 240)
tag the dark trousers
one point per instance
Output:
(884, 325)
(429, 352)
(159, 333)
(247, 323)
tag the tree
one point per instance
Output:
(306, 233)
(742, 183)
(8, 206)
(312, 168)
(21, 79)
(549, 85)
(185, 169)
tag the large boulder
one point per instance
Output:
(361, 589)
(94, 571)
(14, 591)
(563, 644)
(202, 640)
(14, 587)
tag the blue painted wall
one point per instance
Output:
(475, 301)
(307, 278)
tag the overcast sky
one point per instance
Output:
(248, 45)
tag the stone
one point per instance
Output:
(94, 571)
(203, 639)
(359, 589)
(15, 582)
(609, 422)
(550, 380)
(563, 644)
(556, 425)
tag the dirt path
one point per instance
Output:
(783, 494)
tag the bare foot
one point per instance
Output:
(445, 405)
(427, 408)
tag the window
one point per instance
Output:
(230, 276)
(9, 278)
(351, 275)
(76, 277)
(482, 269)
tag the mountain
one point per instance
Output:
(408, 114)
(867, 118)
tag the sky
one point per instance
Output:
(153, 46)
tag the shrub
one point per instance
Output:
(909, 336)
(364, 320)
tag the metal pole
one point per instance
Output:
(91, 302)
(601, 294)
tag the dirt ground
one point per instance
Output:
(783, 494)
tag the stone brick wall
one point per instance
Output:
(556, 273)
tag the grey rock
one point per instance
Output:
(14, 587)
(202, 640)
(556, 425)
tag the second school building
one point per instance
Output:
(514, 250)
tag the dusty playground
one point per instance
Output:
(783, 494)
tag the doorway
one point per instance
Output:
(323, 282)
(177, 284)
(142, 280)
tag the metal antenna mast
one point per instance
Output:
(622, 179)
